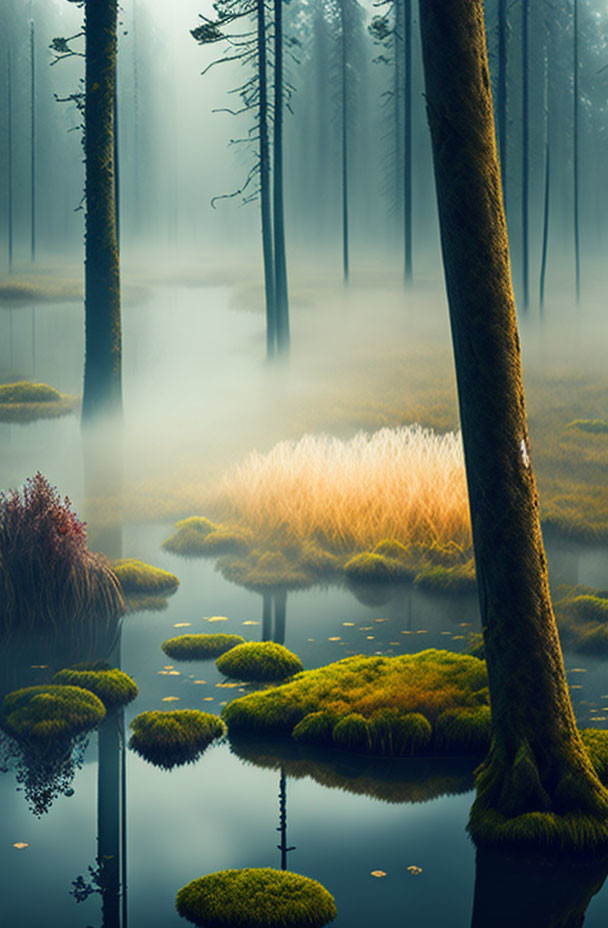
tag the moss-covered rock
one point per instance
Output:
(114, 687)
(434, 702)
(259, 661)
(256, 898)
(139, 578)
(43, 713)
(170, 739)
(23, 402)
(199, 646)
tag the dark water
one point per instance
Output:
(344, 820)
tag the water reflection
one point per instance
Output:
(283, 847)
(534, 893)
(274, 615)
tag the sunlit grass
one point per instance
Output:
(406, 484)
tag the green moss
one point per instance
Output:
(371, 568)
(265, 570)
(459, 578)
(189, 536)
(136, 603)
(227, 539)
(582, 616)
(23, 402)
(403, 702)
(139, 578)
(538, 831)
(317, 560)
(259, 660)
(169, 739)
(475, 646)
(41, 713)
(199, 647)
(596, 745)
(109, 684)
(595, 426)
(256, 898)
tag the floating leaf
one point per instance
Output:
(415, 871)
(335, 638)
(199, 682)
(182, 624)
(348, 624)
(250, 622)
(378, 873)
(170, 699)
(215, 618)
(20, 845)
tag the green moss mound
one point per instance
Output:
(371, 568)
(267, 570)
(142, 579)
(114, 687)
(256, 898)
(42, 713)
(24, 402)
(199, 647)
(459, 578)
(582, 617)
(259, 661)
(595, 426)
(434, 702)
(170, 739)
(198, 537)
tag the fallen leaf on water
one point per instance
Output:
(408, 632)
(366, 628)
(464, 624)
(173, 673)
(414, 870)
(208, 698)
(378, 873)
(370, 637)
(425, 631)
(578, 670)
(182, 624)
(445, 633)
(250, 622)
(168, 666)
(38, 667)
(348, 624)
(458, 638)
(200, 681)
(215, 618)
(20, 845)
(576, 686)
(380, 620)
(311, 639)
(170, 699)
(335, 638)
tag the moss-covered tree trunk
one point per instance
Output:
(537, 763)
(102, 371)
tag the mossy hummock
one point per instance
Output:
(266, 570)
(138, 578)
(200, 646)
(23, 402)
(256, 898)
(259, 661)
(582, 617)
(198, 537)
(434, 702)
(170, 739)
(46, 713)
(114, 687)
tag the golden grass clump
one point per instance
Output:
(434, 702)
(406, 484)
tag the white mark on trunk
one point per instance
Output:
(523, 450)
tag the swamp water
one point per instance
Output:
(342, 817)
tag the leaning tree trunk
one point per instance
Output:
(537, 762)
(265, 205)
(102, 373)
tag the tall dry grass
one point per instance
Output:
(407, 483)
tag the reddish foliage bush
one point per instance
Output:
(47, 572)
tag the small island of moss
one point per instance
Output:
(200, 646)
(140, 579)
(170, 739)
(23, 402)
(256, 898)
(433, 703)
(45, 713)
(114, 687)
(259, 661)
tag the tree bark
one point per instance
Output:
(265, 205)
(102, 374)
(502, 100)
(525, 150)
(537, 762)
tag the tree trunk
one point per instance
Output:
(108, 818)
(525, 151)
(9, 143)
(32, 141)
(266, 215)
(575, 216)
(545, 245)
(501, 96)
(407, 141)
(280, 263)
(102, 374)
(344, 109)
(537, 763)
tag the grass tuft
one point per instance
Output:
(199, 646)
(256, 898)
(259, 661)
(170, 739)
